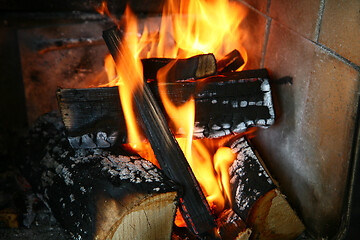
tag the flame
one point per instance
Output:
(130, 76)
(187, 28)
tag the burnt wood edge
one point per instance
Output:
(230, 62)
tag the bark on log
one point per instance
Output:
(194, 207)
(195, 67)
(230, 62)
(257, 199)
(225, 104)
(97, 194)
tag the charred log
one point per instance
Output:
(230, 62)
(194, 206)
(257, 199)
(224, 104)
(195, 67)
(97, 194)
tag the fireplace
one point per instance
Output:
(312, 59)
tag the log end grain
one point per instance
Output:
(271, 217)
(138, 217)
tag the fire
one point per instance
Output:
(187, 28)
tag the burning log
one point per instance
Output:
(224, 104)
(257, 199)
(194, 207)
(97, 194)
(195, 67)
(230, 62)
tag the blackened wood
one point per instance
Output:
(194, 206)
(195, 67)
(230, 62)
(231, 226)
(224, 104)
(256, 199)
(249, 179)
(90, 192)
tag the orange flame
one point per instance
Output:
(130, 76)
(187, 28)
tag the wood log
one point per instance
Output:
(195, 67)
(224, 104)
(230, 62)
(257, 199)
(193, 205)
(97, 194)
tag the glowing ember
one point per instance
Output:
(187, 28)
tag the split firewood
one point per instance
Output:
(193, 205)
(195, 67)
(224, 104)
(256, 198)
(97, 194)
(230, 62)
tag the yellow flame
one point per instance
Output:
(187, 28)
(130, 76)
(223, 159)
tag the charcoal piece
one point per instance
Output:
(94, 194)
(195, 67)
(230, 62)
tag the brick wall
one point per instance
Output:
(309, 150)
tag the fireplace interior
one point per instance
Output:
(310, 49)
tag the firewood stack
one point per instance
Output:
(98, 190)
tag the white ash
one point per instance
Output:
(136, 171)
(226, 125)
(65, 173)
(215, 127)
(259, 103)
(234, 104)
(239, 128)
(249, 123)
(83, 190)
(261, 122)
(265, 87)
(217, 134)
